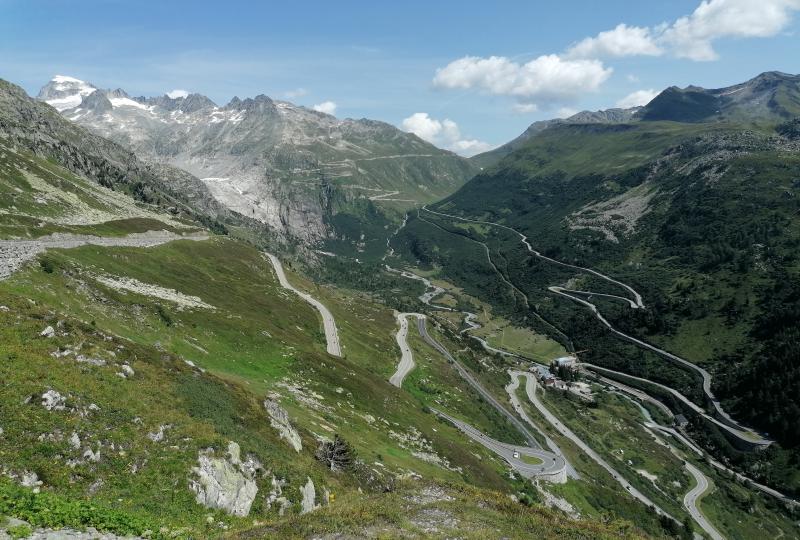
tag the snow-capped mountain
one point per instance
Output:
(289, 166)
(64, 92)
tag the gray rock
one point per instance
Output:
(48, 332)
(221, 483)
(309, 497)
(53, 401)
(279, 419)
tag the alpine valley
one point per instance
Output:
(257, 320)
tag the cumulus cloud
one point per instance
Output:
(327, 107)
(637, 99)
(693, 36)
(296, 93)
(546, 79)
(525, 108)
(443, 133)
(177, 93)
(623, 40)
(566, 112)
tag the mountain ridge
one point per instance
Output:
(304, 173)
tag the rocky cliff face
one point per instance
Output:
(284, 165)
(38, 128)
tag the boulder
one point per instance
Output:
(221, 483)
(309, 497)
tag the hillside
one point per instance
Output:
(701, 217)
(304, 173)
(608, 116)
(160, 381)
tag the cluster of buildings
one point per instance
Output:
(552, 376)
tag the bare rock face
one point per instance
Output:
(279, 419)
(309, 497)
(224, 483)
(273, 162)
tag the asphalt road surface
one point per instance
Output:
(406, 356)
(530, 388)
(331, 334)
(485, 394)
(551, 464)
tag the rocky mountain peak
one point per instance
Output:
(63, 92)
(97, 102)
(195, 102)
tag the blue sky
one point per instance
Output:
(524, 60)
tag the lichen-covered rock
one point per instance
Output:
(221, 483)
(279, 419)
(53, 401)
(48, 332)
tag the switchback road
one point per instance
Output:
(331, 334)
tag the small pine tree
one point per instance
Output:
(337, 455)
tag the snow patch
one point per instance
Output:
(126, 102)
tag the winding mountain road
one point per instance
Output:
(552, 467)
(331, 334)
(678, 435)
(691, 499)
(702, 484)
(406, 356)
(530, 389)
(747, 437)
(635, 303)
(511, 389)
(467, 376)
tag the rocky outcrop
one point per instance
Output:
(37, 127)
(224, 483)
(279, 419)
(309, 495)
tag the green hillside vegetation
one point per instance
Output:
(700, 218)
(254, 343)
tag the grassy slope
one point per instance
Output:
(255, 341)
(39, 198)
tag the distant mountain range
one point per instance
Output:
(770, 97)
(293, 168)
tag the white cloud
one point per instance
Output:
(470, 147)
(632, 78)
(327, 107)
(525, 108)
(177, 93)
(637, 99)
(546, 79)
(296, 93)
(443, 133)
(693, 36)
(566, 112)
(623, 40)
